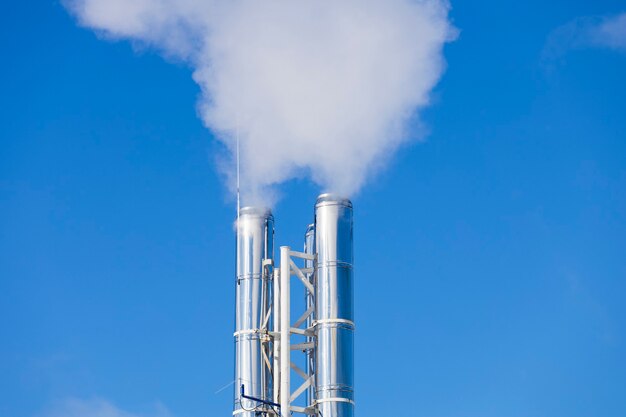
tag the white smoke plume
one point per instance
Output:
(610, 32)
(588, 32)
(324, 88)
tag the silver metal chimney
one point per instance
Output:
(334, 320)
(253, 352)
(324, 332)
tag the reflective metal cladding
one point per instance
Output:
(334, 320)
(255, 241)
(263, 356)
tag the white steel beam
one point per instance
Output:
(276, 367)
(266, 359)
(301, 389)
(303, 346)
(302, 332)
(285, 331)
(305, 410)
(300, 275)
(302, 255)
(299, 371)
(303, 317)
(267, 318)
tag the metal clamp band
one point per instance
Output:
(334, 264)
(335, 400)
(245, 277)
(333, 321)
(251, 331)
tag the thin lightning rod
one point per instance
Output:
(238, 197)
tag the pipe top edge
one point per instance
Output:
(264, 212)
(330, 199)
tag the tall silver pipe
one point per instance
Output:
(334, 323)
(309, 301)
(255, 244)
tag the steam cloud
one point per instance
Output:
(588, 32)
(323, 88)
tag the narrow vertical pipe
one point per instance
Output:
(309, 301)
(334, 321)
(285, 331)
(255, 237)
(276, 328)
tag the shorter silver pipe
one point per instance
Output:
(255, 237)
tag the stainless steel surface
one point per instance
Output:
(255, 238)
(334, 320)
(309, 299)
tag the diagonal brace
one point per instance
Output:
(300, 275)
(304, 316)
(300, 389)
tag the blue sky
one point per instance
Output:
(490, 266)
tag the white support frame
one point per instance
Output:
(276, 327)
(283, 331)
(285, 335)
